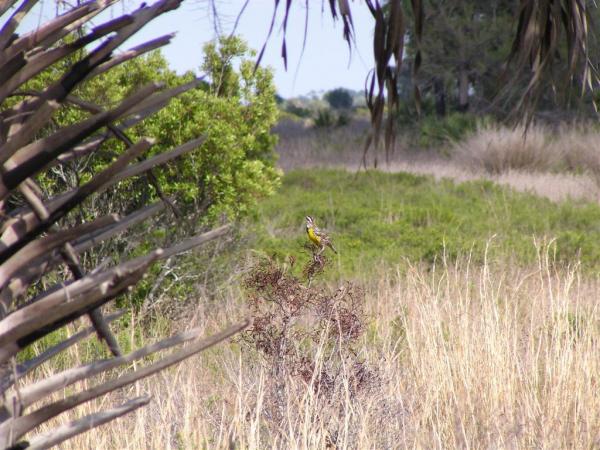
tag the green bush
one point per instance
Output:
(224, 179)
(297, 110)
(434, 131)
(325, 118)
(234, 110)
(339, 98)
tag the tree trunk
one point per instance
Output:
(439, 91)
(463, 90)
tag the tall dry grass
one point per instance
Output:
(492, 356)
(559, 164)
(498, 149)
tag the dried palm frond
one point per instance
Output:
(33, 241)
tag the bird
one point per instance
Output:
(318, 237)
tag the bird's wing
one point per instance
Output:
(321, 234)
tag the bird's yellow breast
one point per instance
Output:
(312, 236)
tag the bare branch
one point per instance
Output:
(55, 29)
(6, 33)
(51, 310)
(195, 241)
(46, 244)
(42, 60)
(38, 391)
(28, 227)
(67, 431)
(21, 280)
(27, 366)
(17, 427)
(134, 52)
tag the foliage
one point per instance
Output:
(296, 109)
(234, 111)
(381, 218)
(465, 45)
(339, 98)
(324, 118)
(465, 48)
(223, 179)
(435, 132)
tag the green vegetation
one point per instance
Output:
(377, 218)
(234, 109)
(339, 98)
(438, 132)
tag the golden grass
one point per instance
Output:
(557, 164)
(498, 148)
(488, 357)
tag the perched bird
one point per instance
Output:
(317, 236)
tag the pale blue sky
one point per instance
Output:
(325, 64)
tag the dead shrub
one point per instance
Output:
(306, 334)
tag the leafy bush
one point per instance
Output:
(234, 110)
(223, 179)
(434, 132)
(297, 110)
(235, 165)
(324, 119)
(339, 98)
(343, 119)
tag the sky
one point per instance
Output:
(326, 63)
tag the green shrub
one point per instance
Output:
(324, 119)
(234, 110)
(223, 179)
(339, 98)
(297, 110)
(435, 131)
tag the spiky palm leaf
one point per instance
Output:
(32, 240)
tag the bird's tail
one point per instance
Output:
(332, 247)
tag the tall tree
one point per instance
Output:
(464, 46)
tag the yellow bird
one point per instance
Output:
(318, 237)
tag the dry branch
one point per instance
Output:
(25, 367)
(38, 391)
(28, 227)
(53, 309)
(36, 268)
(17, 427)
(47, 244)
(34, 242)
(54, 29)
(67, 431)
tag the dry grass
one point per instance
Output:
(559, 164)
(487, 357)
(580, 147)
(497, 149)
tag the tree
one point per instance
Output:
(464, 47)
(339, 98)
(215, 179)
(542, 27)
